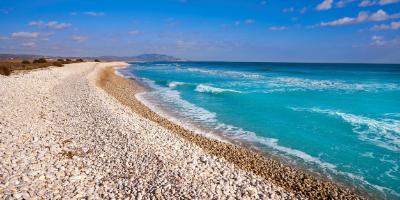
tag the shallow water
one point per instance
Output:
(342, 120)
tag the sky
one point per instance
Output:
(366, 31)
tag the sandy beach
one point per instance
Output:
(79, 132)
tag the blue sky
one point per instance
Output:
(241, 30)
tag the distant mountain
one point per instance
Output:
(138, 58)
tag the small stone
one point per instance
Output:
(203, 159)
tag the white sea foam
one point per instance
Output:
(188, 114)
(174, 84)
(226, 73)
(298, 84)
(215, 90)
(384, 133)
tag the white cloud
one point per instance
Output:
(29, 44)
(25, 35)
(381, 41)
(365, 3)
(377, 40)
(391, 26)
(325, 5)
(278, 28)
(343, 3)
(379, 15)
(95, 14)
(79, 39)
(249, 21)
(134, 32)
(385, 2)
(51, 24)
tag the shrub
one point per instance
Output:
(96, 60)
(26, 62)
(57, 64)
(79, 60)
(40, 60)
(60, 60)
(68, 60)
(5, 71)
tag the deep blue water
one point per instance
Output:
(342, 120)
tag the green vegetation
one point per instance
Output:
(4, 71)
(40, 60)
(57, 64)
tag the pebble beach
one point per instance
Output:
(78, 131)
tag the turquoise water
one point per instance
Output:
(341, 120)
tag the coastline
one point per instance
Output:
(291, 179)
(64, 137)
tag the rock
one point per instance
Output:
(203, 159)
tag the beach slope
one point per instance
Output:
(61, 136)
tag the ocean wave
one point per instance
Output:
(226, 73)
(293, 83)
(384, 133)
(209, 89)
(188, 115)
(174, 84)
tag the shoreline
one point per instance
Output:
(248, 159)
(64, 137)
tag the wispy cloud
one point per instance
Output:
(377, 40)
(391, 26)
(94, 14)
(29, 45)
(325, 5)
(292, 9)
(382, 41)
(288, 10)
(379, 15)
(25, 35)
(366, 3)
(51, 24)
(134, 32)
(278, 28)
(344, 3)
(249, 21)
(246, 21)
(79, 38)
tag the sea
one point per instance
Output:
(338, 120)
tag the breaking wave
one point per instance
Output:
(234, 74)
(209, 89)
(384, 133)
(174, 84)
